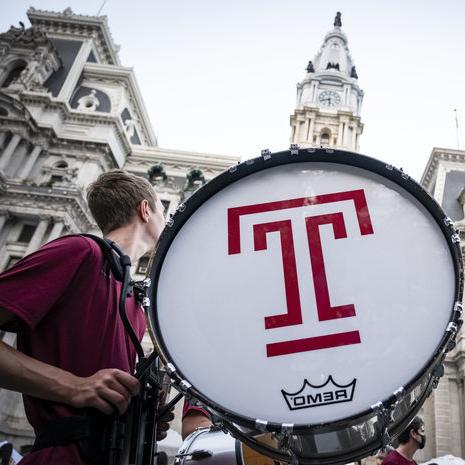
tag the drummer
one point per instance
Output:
(73, 351)
(410, 440)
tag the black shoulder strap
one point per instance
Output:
(109, 248)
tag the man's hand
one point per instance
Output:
(105, 390)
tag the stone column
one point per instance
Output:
(306, 130)
(311, 130)
(298, 127)
(38, 236)
(339, 134)
(56, 230)
(354, 134)
(31, 159)
(3, 219)
(443, 417)
(8, 152)
(2, 138)
(344, 133)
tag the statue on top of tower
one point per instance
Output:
(337, 20)
(310, 68)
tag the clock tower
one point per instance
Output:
(329, 99)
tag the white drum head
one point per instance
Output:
(305, 293)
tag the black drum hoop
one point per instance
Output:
(295, 155)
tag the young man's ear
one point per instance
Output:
(143, 209)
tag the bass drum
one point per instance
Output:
(309, 294)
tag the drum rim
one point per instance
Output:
(298, 155)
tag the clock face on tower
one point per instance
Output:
(329, 98)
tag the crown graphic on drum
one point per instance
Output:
(315, 396)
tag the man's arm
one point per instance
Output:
(193, 420)
(104, 390)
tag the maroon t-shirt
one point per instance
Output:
(394, 458)
(66, 301)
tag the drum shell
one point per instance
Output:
(223, 448)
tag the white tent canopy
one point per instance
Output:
(445, 460)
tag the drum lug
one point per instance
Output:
(170, 369)
(261, 425)
(448, 221)
(389, 167)
(287, 428)
(184, 385)
(266, 154)
(455, 238)
(181, 207)
(438, 373)
(403, 174)
(399, 393)
(294, 148)
(452, 328)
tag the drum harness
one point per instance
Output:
(101, 439)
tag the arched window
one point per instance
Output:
(14, 73)
(324, 138)
(61, 165)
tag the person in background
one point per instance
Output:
(410, 440)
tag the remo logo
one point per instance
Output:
(293, 313)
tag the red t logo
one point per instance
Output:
(293, 316)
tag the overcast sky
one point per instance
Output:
(220, 76)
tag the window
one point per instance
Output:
(143, 265)
(14, 74)
(324, 139)
(61, 165)
(55, 178)
(26, 233)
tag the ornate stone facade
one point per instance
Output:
(444, 411)
(68, 112)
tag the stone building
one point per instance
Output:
(69, 111)
(444, 411)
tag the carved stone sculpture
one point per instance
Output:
(88, 102)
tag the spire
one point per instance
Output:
(329, 99)
(334, 55)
